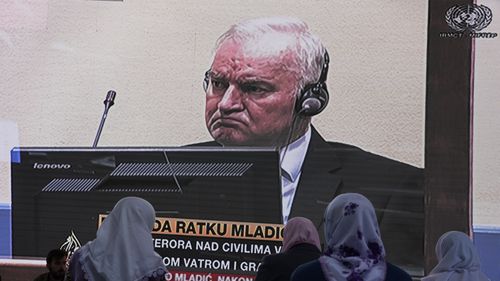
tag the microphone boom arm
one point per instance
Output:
(108, 102)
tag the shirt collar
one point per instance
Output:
(295, 155)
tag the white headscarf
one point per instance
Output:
(123, 249)
(458, 259)
(355, 251)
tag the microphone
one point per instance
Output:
(110, 98)
(108, 102)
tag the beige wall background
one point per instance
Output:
(58, 58)
(486, 138)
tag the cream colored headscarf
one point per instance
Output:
(458, 259)
(123, 249)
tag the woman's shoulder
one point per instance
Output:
(395, 273)
(312, 271)
(75, 271)
(308, 271)
(275, 259)
(76, 254)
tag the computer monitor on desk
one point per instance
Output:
(62, 194)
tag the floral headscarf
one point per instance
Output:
(354, 250)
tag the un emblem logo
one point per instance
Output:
(468, 17)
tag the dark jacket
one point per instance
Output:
(312, 272)
(43, 277)
(279, 267)
(394, 188)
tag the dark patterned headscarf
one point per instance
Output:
(354, 250)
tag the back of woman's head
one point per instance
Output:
(127, 213)
(350, 220)
(123, 248)
(354, 248)
(456, 250)
(457, 259)
(300, 230)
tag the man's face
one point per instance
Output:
(250, 98)
(57, 268)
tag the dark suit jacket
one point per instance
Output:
(279, 267)
(394, 188)
(312, 271)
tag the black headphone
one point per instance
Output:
(311, 100)
(314, 97)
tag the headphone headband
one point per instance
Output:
(324, 69)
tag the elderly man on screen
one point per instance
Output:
(266, 81)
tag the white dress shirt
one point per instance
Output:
(291, 169)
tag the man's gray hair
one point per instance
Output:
(308, 48)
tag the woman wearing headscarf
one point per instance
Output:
(354, 250)
(300, 245)
(458, 259)
(123, 248)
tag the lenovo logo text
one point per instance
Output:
(51, 166)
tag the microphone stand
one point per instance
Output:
(108, 102)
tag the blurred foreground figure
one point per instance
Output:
(458, 259)
(354, 249)
(300, 245)
(123, 249)
(56, 264)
